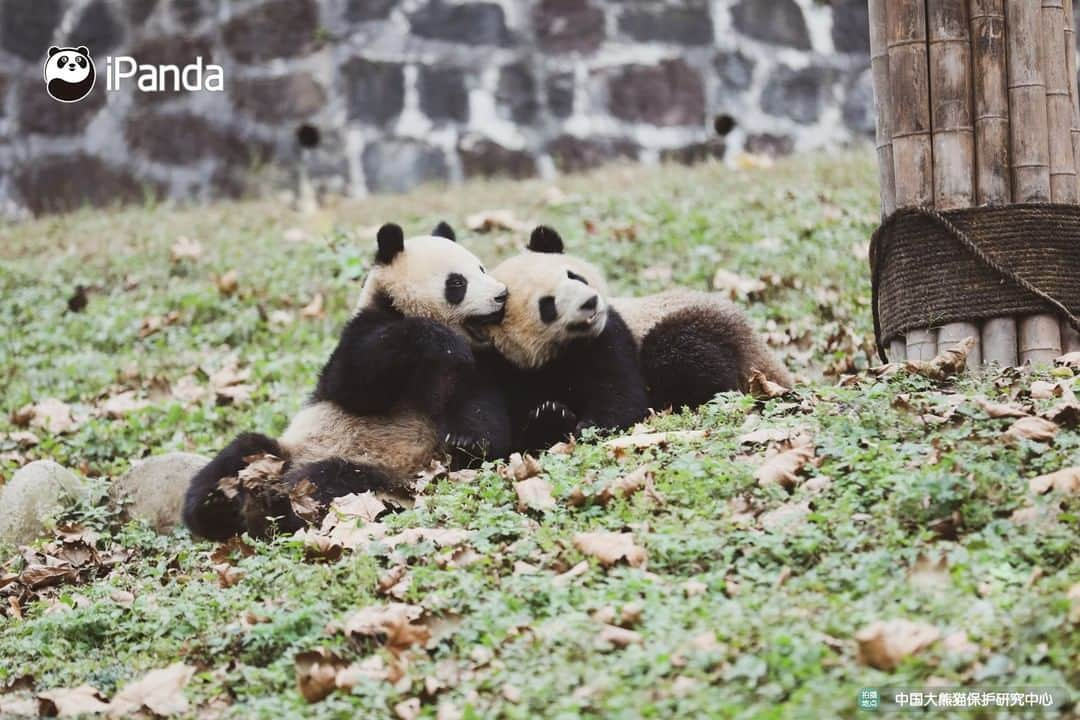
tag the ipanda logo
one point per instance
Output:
(70, 74)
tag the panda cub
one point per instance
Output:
(400, 388)
(563, 357)
(691, 344)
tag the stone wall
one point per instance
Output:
(379, 95)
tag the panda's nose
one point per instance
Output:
(590, 304)
(501, 297)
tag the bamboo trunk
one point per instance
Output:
(953, 132)
(992, 177)
(898, 350)
(1070, 338)
(909, 92)
(1040, 335)
(1059, 114)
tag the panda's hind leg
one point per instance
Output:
(208, 512)
(689, 357)
(331, 479)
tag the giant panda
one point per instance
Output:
(690, 344)
(563, 357)
(69, 73)
(400, 388)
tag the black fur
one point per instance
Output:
(391, 240)
(544, 239)
(688, 358)
(594, 382)
(207, 512)
(444, 230)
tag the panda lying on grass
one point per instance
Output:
(570, 358)
(401, 388)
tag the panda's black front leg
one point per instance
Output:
(475, 425)
(548, 423)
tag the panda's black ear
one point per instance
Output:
(545, 240)
(53, 50)
(391, 242)
(82, 49)
(444, 230)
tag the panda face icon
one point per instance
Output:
(69, 73)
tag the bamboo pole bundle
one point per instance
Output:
(879, 70)
(1070, 339)
(992, 183)
(909, 95)
(1040, 335)
(952, 130)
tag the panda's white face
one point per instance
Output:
(68, 65)
(553, 301)
(435, 278)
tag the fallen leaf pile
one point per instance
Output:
(159, 692)
(884, 644)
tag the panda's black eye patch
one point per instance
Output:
(548, 313)
(62, 61)
(456, 284)
(574, 276)
(81, 61)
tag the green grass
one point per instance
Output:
(781, 608)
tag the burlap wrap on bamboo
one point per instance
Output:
(933, 267)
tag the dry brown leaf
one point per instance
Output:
(786, 518)
(1036, 429)
(1001, 410)
(945, 364)
(303, 502)
(317, 673)
(188, 390)
(408, 709)
(763, 388)
(396, 624)
(394, 582)
(957, 643)
(1065, 481)
(488, 220)
(185, 249)
(734, 285)
(929, 573)
(49, 414)
(37, 576)
(362, 506)
(228, 575)
(1043, 390)
(565, 578)
(783, 467)
(618, 637)
(883, 644)
(229, 383)
(1071, 360)
(315, 309)
(159, 691)
(534, 493)
(630, 484)
(693, 588)
(24, 438)
(611, 547)
(1065, 414)
(622, 445)
(123, 598)
(73, 702)
(520, 468)
(228, 283)
(120, 405)
(763, 436)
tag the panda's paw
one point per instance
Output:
(555, 418)
(466, 449)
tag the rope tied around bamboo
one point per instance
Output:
(930, 268)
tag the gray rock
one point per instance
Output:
(670, 93)
(797, 94)
(358, 10)
(485, 158)
(516, 93)
(735, 70)
(476, 23)
(443, 96)
(98, 30)
(568, 25)
(26, 28)
(273, 99)
(374, 91)
(183, 138)
(560, 94)
(154, 489)
(36, 492)
(850, 28)
(675, 25)
(275, 29)
(398, 165)
(779, 22)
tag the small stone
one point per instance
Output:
(443, 95)
(560, 94)
(98, 30)
(779, 22)
(35, 493)
(273, 99)
(694, 153)
(850, 19)
(670, 93)
(474, 23)
(61, 183)
(375, 91)
(516, 93)
(360, 10)
(574, 154)
(735, 70)
(155, 488)
(26, 28)
(798, 94)
(399, 165)
(675, 25)
(485, 158)
(568, 25)
(274, 29)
